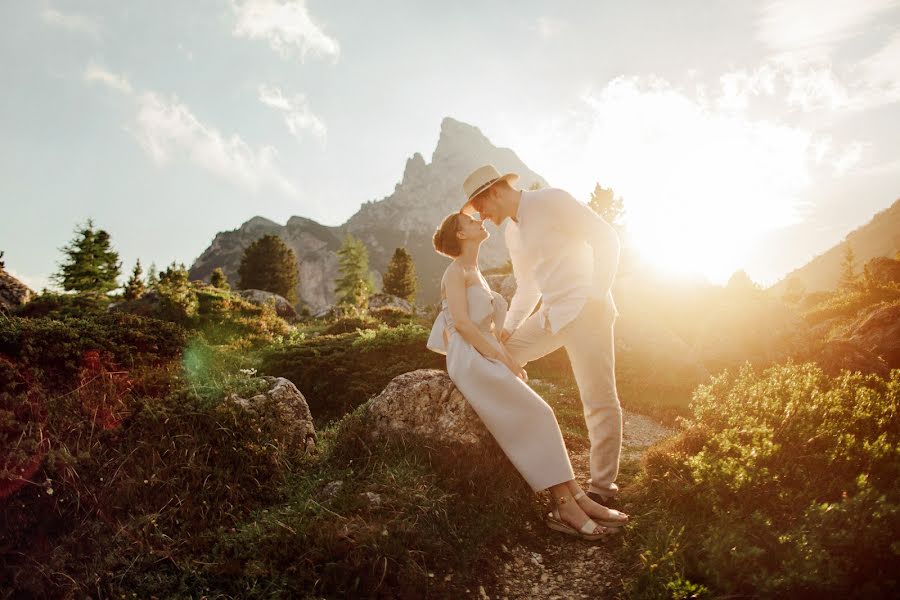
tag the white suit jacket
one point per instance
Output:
(562, 252)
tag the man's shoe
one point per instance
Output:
(607, 501)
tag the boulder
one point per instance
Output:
(425, 403)
(837, 355)
(290, 407)
(283, 308)
(884, 270)
(878, 331)
(382, 300)
(13, 293)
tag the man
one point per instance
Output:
(565, 255)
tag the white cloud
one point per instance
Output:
(881, 72)
(71, 22)
(286, 25)
(297, 115)
(167, 129)
(96, 73)
(814, 27)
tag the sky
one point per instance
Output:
(739, 134)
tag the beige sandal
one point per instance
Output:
(607, 522)
(585, 532)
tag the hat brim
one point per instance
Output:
(468, 209)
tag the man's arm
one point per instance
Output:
(527, 293)
(580, 220)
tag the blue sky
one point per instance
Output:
(740, 134)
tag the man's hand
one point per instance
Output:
(505, 335)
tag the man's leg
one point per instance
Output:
(531, 341)
(591, 348)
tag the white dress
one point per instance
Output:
(523, 424)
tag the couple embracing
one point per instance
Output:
(564, 255)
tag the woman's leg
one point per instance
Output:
(569, 510)
(595, 509)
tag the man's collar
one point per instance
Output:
(519, 212)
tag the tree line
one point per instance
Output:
(91, 265)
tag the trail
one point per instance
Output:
(557, 566)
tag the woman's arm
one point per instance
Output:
(458, 303)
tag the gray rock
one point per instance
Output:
(283, 308)
(332, 488)
(291, 407)
(13, 292)
(382, 300)
(425, 403)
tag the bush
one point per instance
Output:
(54, 349)
(781, 484)
(337, 373)
(392, 316)
(350, 324)
(60, 306)
(111, 501)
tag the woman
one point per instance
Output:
(525, 427)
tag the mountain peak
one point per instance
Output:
(459, 138)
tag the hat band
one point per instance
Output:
(484, 186)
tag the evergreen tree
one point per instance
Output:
(355, 283)
(849, 277)
(269, 264)
(134, 287)
(152, 276)
(741, 282)
(400, 277)
(607, 205)
(219, 280)
(92, 265)
(178, 301)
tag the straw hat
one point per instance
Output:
(479, 180)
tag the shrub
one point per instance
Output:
(60, 306)
(392, 316)
(336, 373)
(54, 349)
(781, 484)
(350, 324)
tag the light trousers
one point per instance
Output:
(590, 345)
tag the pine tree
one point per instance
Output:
(92, 265)
(607, 205)
(134, 287)
(178, 300)
(849, 277)
(400, 277)
(152, 276)
(219, 280)
(355, 284)
(741, 282)
(269, 264)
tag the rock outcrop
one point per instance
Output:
(290, 407)
(13, 293)
(425, 403)
(382, 300)
(283, 308)
(879, 332)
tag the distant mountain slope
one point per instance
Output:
(879, 237)
(407, 217)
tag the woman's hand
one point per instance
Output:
(517, 370)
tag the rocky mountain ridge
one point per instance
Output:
(406, 218)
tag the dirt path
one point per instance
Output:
(557, 566)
